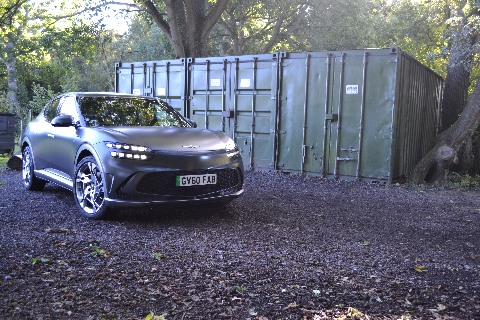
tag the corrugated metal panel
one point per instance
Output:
(7, 132)
(357, 114)
(417, 117)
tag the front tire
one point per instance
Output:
(30, 181)
(89, 189)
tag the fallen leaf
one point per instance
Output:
(420, 269)
(290, 306)
(152, 316)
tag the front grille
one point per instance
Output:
(162, 185)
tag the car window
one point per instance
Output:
(69, 107)
(51, 111)
(128, 111)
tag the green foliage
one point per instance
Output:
(97, 252)
(146, 42)
(338, 25)
(159, 256)
(5, 104)
(463, 181)
(240, 289)
(37, 260)
(3, 160)
(417, 27)
(40, 98)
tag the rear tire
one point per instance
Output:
(89, 189)
(30, 181)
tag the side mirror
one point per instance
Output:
(63, 121)
(193, 123)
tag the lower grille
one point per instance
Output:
(162, 185)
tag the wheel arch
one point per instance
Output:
(25, 143)
(87, 150)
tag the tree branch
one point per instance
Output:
(76, 13)
(274, 37)
(213, 16)
(158, 18)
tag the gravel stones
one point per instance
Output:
(293, 247)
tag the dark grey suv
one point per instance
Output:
(116, 150)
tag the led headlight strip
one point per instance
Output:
(123, 149)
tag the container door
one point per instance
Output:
(305, 96)
(207, 93)
(169, 83)
(132, 78)
(254, 94)
(347, 108)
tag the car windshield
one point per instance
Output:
(128, 111)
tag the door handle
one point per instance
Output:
(51, 135)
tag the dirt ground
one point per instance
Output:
(293, 247)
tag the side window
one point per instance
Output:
(51, 112)
(68, 106)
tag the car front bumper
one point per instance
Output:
(119, 203)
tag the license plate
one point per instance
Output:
(196, 180)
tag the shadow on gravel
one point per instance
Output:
(167, 215)
(161, 215)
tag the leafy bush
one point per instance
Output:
(463, 181)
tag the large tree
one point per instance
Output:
(13, 42)
(8, 10)
(186, 23)
(459, 119)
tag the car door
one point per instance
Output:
(65, 140)
(40, 137)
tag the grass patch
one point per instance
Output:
(3, 160)
(4, 157)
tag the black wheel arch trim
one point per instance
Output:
(90, 149)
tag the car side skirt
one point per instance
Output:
(57, 177)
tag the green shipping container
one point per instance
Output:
(360, 114)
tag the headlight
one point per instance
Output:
(231, 149)
(120, 153)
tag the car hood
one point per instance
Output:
(170, 139)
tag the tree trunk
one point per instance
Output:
(188, 27)
(454, 137)
(9, 62)
(455, 95)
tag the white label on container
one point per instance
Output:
(136, 92)
(160, 91)
(214, 82)
(352, 89)
(245, 83)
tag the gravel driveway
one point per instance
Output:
(293, 247)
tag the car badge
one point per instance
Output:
(190, 147)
